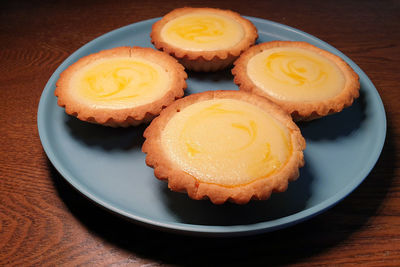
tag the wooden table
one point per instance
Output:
(44, 221)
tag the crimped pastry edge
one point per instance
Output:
(126, 116)
(180, 181)
(300, 111)
(205, 61)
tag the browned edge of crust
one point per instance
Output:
(178, 180)
(300, 110)
(204, 60)
(126, 116)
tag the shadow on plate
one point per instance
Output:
(203, 212)
(303, 241)
(220, 80)
(336, 125)
(222, 75)
(107, 138)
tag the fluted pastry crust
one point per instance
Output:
(124, 116)
(300, 110)
(167, 169)
(204, 60)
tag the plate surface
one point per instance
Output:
(107, 164)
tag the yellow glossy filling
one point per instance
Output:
(117, 82)
(295, 74)
(226, 142)
(202, 31)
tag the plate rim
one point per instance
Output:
(213, 230)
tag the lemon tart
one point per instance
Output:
(122, 86)
(203, 39)
(304, 80)
(224, 146)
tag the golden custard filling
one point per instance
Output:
(295, 74)
(203, 31)
(116, 82)
(227, 142)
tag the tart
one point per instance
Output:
(122, 86)
(203, 39)
(304, 80)
(225, 146)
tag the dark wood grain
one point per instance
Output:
(45, 222)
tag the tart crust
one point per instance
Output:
(300, 110)
(205, 61)
(124, 116)
(165, 168)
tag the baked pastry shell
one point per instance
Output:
(205, 61)
(178, 180)
(121, 117)
(300, 110)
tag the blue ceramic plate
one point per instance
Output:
(107, 164)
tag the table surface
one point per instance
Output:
(44, 221)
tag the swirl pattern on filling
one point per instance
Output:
(295, 74)
(122, 81)
(228, 142)
(203, 32)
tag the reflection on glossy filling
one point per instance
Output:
(121, 81)
(295, 74)
(203, 32)
(227, 142)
